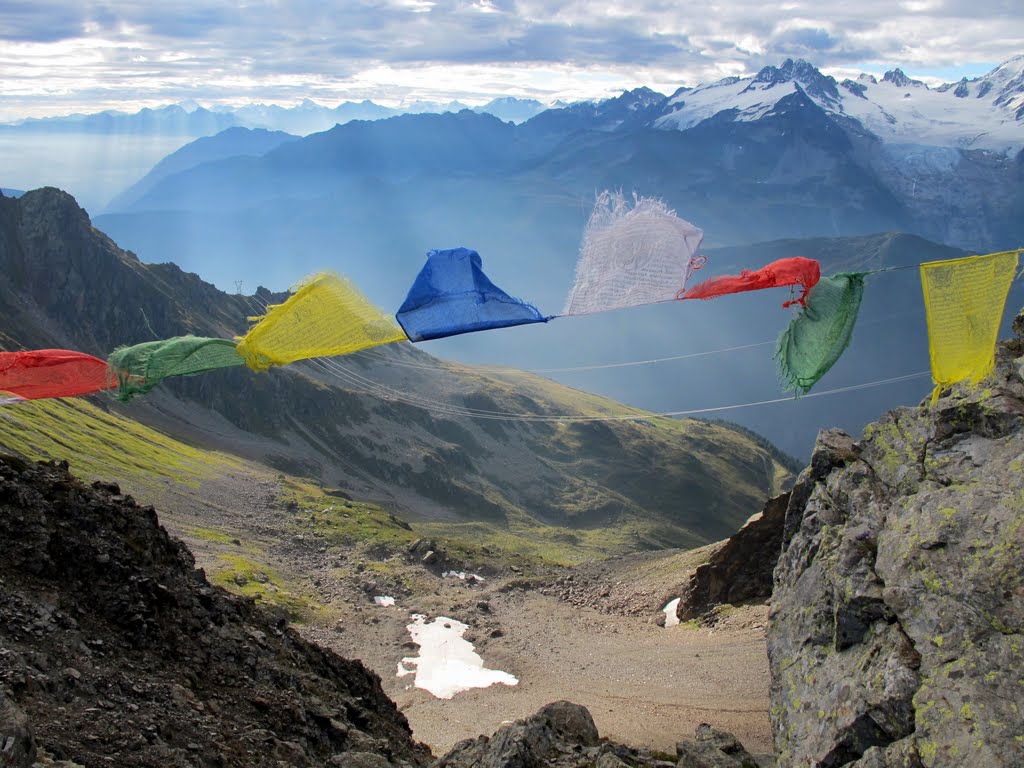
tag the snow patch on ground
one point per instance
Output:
(463, 576)
(671, 619)
(383, 600)
(447, 663)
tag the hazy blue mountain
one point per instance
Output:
(511, 109)
(97, 157)
(795, 171)
(349, 157)
(172, 120)
(972, 128)
(233, 142)
(633, 109)
(308, 117)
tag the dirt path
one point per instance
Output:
(645, 685)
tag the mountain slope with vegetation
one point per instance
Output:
(390, 425)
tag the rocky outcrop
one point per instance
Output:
(896, 634)
(741, 570)
(17, 744)
(114, 650)
(563, 735)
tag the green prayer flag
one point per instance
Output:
(141, 367)
(816, 337)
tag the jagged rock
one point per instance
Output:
(713, 749)
(833, 448)
(120, 652)
(608, 760)
(896, 634)
(563, 735)
(358, 760)
(529, 743)
(742, 569)
(17, 747)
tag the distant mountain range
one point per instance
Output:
(97, 156)
(192, 119)
(981, 113)
(789, 164)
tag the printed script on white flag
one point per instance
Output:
(632, 254)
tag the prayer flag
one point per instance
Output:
(639, 254)
(821, 332)
(964, 301)
(452, 295)
(42, 373)
(795, 270)
(326, 316)
(139, 368)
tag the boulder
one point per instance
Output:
(713, 749)
(17, 747)
(741, 570)
(530, 743)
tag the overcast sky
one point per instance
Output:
(61, 56)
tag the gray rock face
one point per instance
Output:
(713, 749)
(896, 635)
(529, 743)
(17, 747)
(742, 569)
(563, 735)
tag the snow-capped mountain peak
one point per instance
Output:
(984, 113)
(640, 98)
(900, 80)
(751, 97)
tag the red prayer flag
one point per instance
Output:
(41, 373)
(795, 270)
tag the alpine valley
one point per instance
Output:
(788, 153)
(182, 573)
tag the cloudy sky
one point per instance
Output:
(61, 56)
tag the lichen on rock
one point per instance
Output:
(896, 635)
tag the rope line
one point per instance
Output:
(362, 383)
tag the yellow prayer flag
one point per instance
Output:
(964, 301)
(326, 316)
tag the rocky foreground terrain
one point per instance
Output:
(115, 650)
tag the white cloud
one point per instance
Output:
(60, 56)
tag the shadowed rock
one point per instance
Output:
(17, 747)
(742, 569)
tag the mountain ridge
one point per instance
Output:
(421, 453)
(929, 118)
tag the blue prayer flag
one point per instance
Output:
(452, 295)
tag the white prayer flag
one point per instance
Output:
(632, 254)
